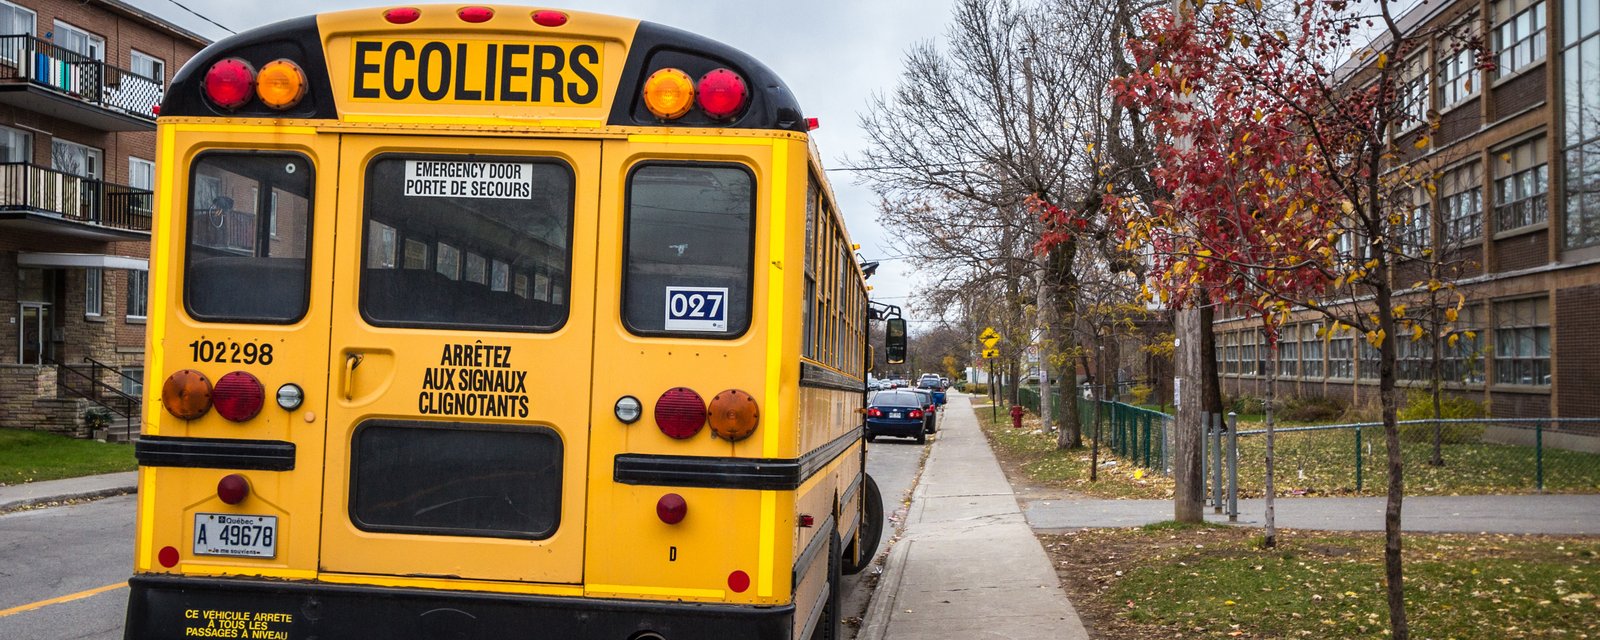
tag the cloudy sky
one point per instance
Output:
(834, 54)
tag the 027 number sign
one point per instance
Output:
(697, 309)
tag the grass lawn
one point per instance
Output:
(1312, 463)
(31, 456)
(1216, 582)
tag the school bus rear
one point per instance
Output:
(437, 327)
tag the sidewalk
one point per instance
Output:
(1528, 514)
(28, 494)
(968, 565)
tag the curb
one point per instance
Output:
(876, 621)
(23, 503)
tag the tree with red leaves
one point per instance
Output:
(1281, 177)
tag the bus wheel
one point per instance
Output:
(869, 532)
(828, 623)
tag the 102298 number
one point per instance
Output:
(229, 351)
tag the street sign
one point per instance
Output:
(989, 338)
(991, 353)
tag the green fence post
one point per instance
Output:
(1358, 458)
(1538, 455)
(1147, 427)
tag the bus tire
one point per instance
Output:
(869, 533)
(829, 622)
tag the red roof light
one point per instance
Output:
(548, 18)
(475, 15)
(722, 93)
(402, 15)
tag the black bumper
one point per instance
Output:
(182, 608)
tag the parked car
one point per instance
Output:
(896, 413)
(932, 383)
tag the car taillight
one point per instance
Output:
(238, 396)
(230, 83)
(680, 413)
(874, 413)
(915, 413)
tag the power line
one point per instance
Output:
(197, 14)
(959, 163)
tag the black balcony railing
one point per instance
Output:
(46, 64)
(27, 187)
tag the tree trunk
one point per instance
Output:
(1270, 540)
(1393, 569)
(1188, 470)
(1064, 304)
(1211, 384)
(1046, 412)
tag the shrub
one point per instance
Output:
(1312, 409)
(975, 388)
(96, 417)
(1244, 404)
(1419, 406)
(1140, 393)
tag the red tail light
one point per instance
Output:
(475, 14)
(233, 488)
(402, 15)
(915, 413)
(721, 93)
(671, 508)
(230, 83)
(680, 413)
(874, 413)
(548, 18)
(238, 396)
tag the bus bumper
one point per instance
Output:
(161, 607)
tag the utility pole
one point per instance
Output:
(1188, 469)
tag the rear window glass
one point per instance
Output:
(456, 479)
(897, 398)
(249, 238)
(467, 242)
(690, 233)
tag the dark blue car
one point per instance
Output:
(896, 413)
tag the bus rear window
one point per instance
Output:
(690, 234)
(249, 238)
(456, 479)
(467, 242)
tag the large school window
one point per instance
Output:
(519, 216)
(233, 270)
(690, 236)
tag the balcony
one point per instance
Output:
(38, 75)
(50, 201)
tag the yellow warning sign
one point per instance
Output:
(991, 353)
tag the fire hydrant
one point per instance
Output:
(1016, 416)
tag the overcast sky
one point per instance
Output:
(834, 54)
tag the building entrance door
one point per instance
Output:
(33, 334)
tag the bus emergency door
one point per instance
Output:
(460, 367)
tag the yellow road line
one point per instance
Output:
(66, 598)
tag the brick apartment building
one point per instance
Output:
(1517, 203)
(80, 81)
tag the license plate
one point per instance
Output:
(229, 534)
(894, 414)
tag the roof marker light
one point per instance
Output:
(548, 18)
(812, 124)
(402, 15)
(475, 15)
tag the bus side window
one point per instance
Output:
(687, 262)
(249, 231)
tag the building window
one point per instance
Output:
(80, 42)
(1522, 342)
(1518, 35)
(1413, 359)
(1340, 362)
(1412, 231)
(15, 145)
(1369, 360)
(1414, 102)
(1461, 205)
(1463, 350)
(1311, 350)
(1521, 182)
(92, 292)
(76, 159)
(15, 21)
(1458, 74)
(1289, 352)
(1248, 365)
(138, 294)
(149, 66)
(1582, 98)
(133, 378)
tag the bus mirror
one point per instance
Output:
(895, 340)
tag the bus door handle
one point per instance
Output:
(351, 361)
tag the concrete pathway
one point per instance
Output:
(968, 565)
(17, 496)
(1546, 514)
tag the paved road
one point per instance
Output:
(49, 553)
(1549, 514)
(75, 550)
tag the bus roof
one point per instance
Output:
(586, 73)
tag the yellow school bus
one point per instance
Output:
(496, 322)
